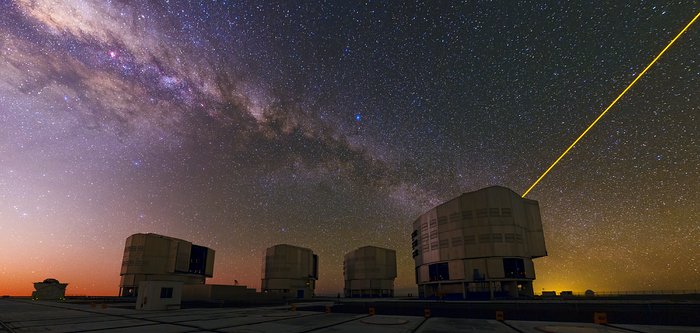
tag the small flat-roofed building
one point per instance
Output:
(478, 245)
(290, 270)
(369, 272)
(49, 289)
(153, 257)
(159, 295)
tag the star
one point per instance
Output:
(239, 126)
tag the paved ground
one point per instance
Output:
(18, 315)
(639, 311)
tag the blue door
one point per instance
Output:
(300, 293)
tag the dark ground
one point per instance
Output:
(658, 311)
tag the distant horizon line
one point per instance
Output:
(414, 294)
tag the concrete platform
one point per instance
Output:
(376, 324)
(561, 327)
(639, 311)
(298, 324)
(17, 315)
(437, 325)
(659, 329)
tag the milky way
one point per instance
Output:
(333, 125)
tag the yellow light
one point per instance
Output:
(611, 105)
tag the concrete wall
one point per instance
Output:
(159, 295)
(215, 292)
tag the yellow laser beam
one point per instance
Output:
(611, 105)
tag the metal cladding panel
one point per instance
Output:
(383, 284)
(280, 284)
(445, 254)
(416, 225)
(209, 271)
(497, 198)
(444, 212)
(127, 280)
(360, 284)
(370, 262)
(391, 264)
(182, 258)
(535, 235)
(172, 257)
(529, 269)
(127, 251)
(125, 264)
(133, 254)
(348, 269)
(305, 263)
(536, 246)
(456, 269)
(495, 268)
(288, 262)
(475, 269)
(156, 246)
(276, 284)
(423, 273)
(129, 241)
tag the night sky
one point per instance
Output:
(333, 125)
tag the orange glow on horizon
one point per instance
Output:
(84, 280)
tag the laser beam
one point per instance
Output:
(611, 105)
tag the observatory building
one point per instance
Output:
(49, 289)
(290, 270)
(478, 245)
(152, 257)
(369, 272)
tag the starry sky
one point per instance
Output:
(332, 125)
